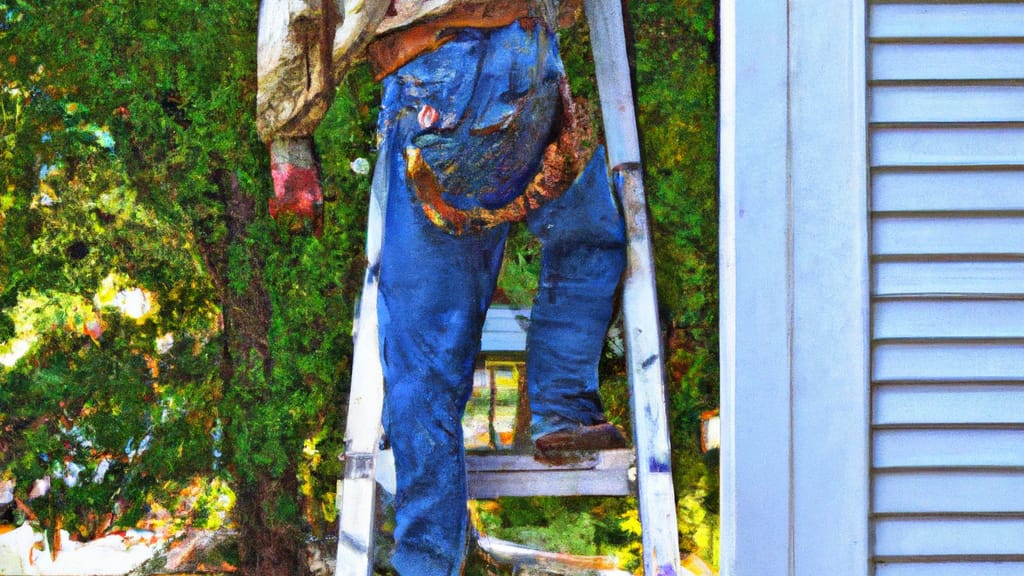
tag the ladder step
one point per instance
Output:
(493, 475)
(530, 561)
(604, 473)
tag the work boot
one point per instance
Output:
(574, 444)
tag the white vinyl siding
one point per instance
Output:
(946, 138)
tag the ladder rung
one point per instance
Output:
(524, 558)
(604, 473)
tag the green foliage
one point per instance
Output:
(87, 397)
(517, 282)
(125, 125)
(114, 117)
(580, 525)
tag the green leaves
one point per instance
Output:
(111, 322)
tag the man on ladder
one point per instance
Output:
(477, 130)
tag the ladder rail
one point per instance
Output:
(644, 357)
(357, 492)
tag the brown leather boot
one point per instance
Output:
(565, 446)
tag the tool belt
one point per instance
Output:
(395, 48)
(489, 130)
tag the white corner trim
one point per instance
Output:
(794, 288)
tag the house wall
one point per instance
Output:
(872, 287)
(947, 185)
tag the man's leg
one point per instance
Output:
(478, 111)
(434, 291)
(583, 254)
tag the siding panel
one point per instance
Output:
(948, 536)
(949, 234)
(930, 144)
(950, 103)
(947, 20)
(953, 190)
(946, 137)
(967, 568)
(947, 61)
(916, 318)
(955, 447)
(948, 491)
(949, 277)
(904, 361)
(949, 403)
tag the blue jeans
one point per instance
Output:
(491, 99)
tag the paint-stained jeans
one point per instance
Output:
(486, 102)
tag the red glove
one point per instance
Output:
(298, 196)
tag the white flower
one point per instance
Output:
(133, 452)
(15, 350)
(104, 139)
(360, 166)
(71, 474)
(133, 302)
(101, 471)
(165, 343)
(6, 491)
(39, 488)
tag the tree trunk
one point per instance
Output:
(267, 546)
(269, 543)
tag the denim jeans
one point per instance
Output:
(480, 109)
